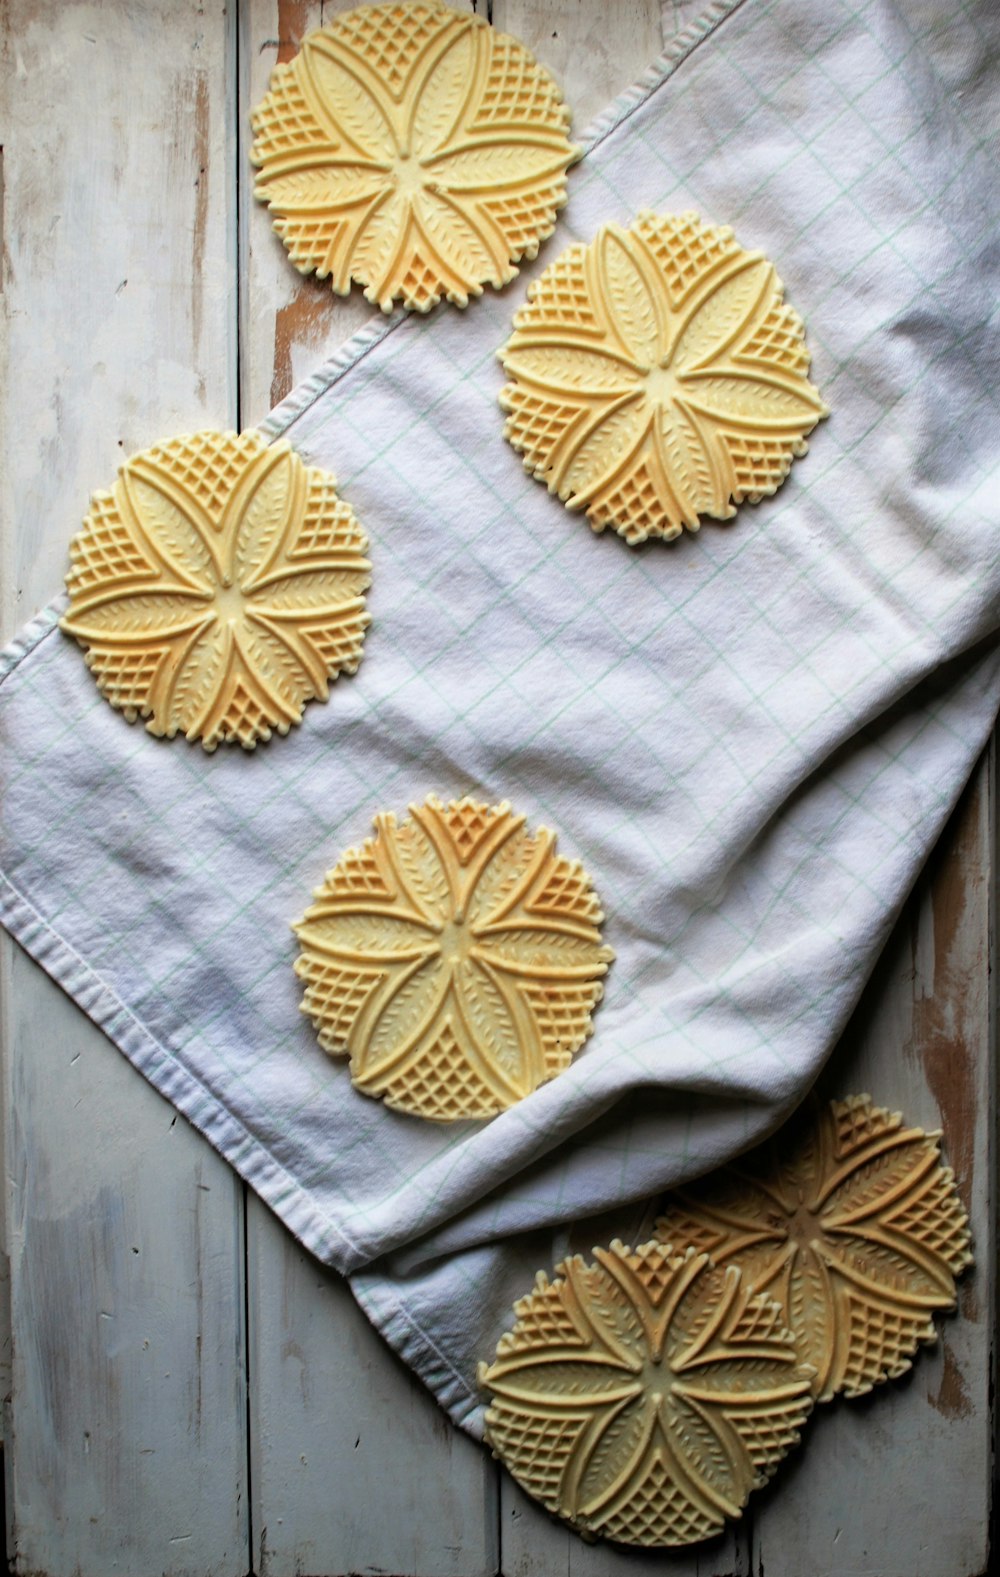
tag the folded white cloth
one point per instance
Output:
(751, 738)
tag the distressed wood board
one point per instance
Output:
(188, 1391)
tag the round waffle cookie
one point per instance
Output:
(455, 958)
(851, 1222)
(412, 149)
(217, 587)
(658, 376)
(642, 1397)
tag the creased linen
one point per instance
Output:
(751, 738)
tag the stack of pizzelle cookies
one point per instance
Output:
(642, 1397)
(656, 378)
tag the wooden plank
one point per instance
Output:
(125, 1442)
(898, 1483)
(595, 52)
(126, 1448)
(354, 1468)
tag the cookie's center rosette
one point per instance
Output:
(658, 376)
(217, 587)
(455, 958)
(643, 1396)
(413, 149)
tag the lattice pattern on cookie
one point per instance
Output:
(563, 1016)
(484, 994)
(339, 646)
(517, 94)
(420, 154)
(759, 465)
(567, 891)
(657, 377)
(126, 677)
(658, 1512)
(389, 38)
(524, 219)
(196, 601)
(641, 499)
(686, 250)
(780, 340)
(881, 1343)
(283, 122)
(439, 1084)
(335, 995)
(850, 1219)
(543, 1445)
(684, 1388)
(107, 551)
(560, 295)
(205, 469)
(329, 526)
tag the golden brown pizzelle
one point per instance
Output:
(455, 958)
(217, 587)
(849, 1219)
(643, 1396)
(413, 149)
(657, 376)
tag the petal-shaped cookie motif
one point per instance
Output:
(849, 1219)
(455, 958)
(412, 149)
(657, 376)
(217, 587)
(644, 1396)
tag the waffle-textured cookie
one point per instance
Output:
(412, 149)
(455, 958)
(644, 1396)
(657, 376)
(217, 587)
(850, 1221)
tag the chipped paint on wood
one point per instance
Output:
(951, 1398)
(951, 1002)
(295, 19)
(301, 321)
(201, 155)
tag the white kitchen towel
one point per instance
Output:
(751, 737)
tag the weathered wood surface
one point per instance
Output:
(126, 1424)
(135, 1446)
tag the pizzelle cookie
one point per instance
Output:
(455, 958)
(850, 1220)
(217, 587)
(642, 1397)
(657, 376)
(412, 149)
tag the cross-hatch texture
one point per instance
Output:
(455, 958)
(852, 1223)
(218, 587)
(643, 1397)
(658, 376)
(414, 150)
